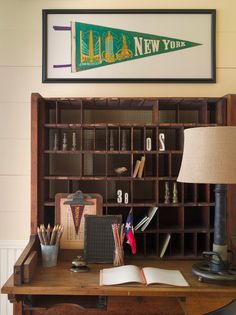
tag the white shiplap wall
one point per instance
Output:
(20, 75)
(9, 252)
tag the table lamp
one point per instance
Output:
(209, 157)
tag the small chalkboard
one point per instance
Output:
(98, 238)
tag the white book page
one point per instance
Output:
(163, 276)
(118, 275)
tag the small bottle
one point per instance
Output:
(73, 148)
(55, 141)
(64, 142)
(175, 193)
(111, 141)
(123, 141)
(167, 192)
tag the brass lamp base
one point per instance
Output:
(214, 269)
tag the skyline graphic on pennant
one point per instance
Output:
(96, 46)
(77, 212)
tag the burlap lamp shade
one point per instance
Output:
(209, 157)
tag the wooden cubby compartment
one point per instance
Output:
(111, 133)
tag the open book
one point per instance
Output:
(147, 275)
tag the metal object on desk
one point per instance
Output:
(214, 268)
(79, 265)
(49, 255)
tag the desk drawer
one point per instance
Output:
(64, 305)
(92, 305)
(151, 305)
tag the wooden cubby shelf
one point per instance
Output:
(78, 143)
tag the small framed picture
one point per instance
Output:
(73, 234)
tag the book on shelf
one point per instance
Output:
(147, 275)
(165, 245)
(136, 168)
(141, 167)
(150, 214)
(141, 222)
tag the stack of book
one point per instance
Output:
(144, 222)
(139, 167)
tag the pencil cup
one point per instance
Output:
(118, 257)
(49, 255)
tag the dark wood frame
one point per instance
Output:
(223, 113)
(212, 79)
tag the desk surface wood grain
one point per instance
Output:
(60, 281)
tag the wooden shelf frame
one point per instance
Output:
(93, 120)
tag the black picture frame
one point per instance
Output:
(203, 56)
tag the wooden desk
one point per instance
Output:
(80, 293)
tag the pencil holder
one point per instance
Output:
(118, 256)
(49, 255)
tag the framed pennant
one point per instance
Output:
(129, 46)
(70, 213)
